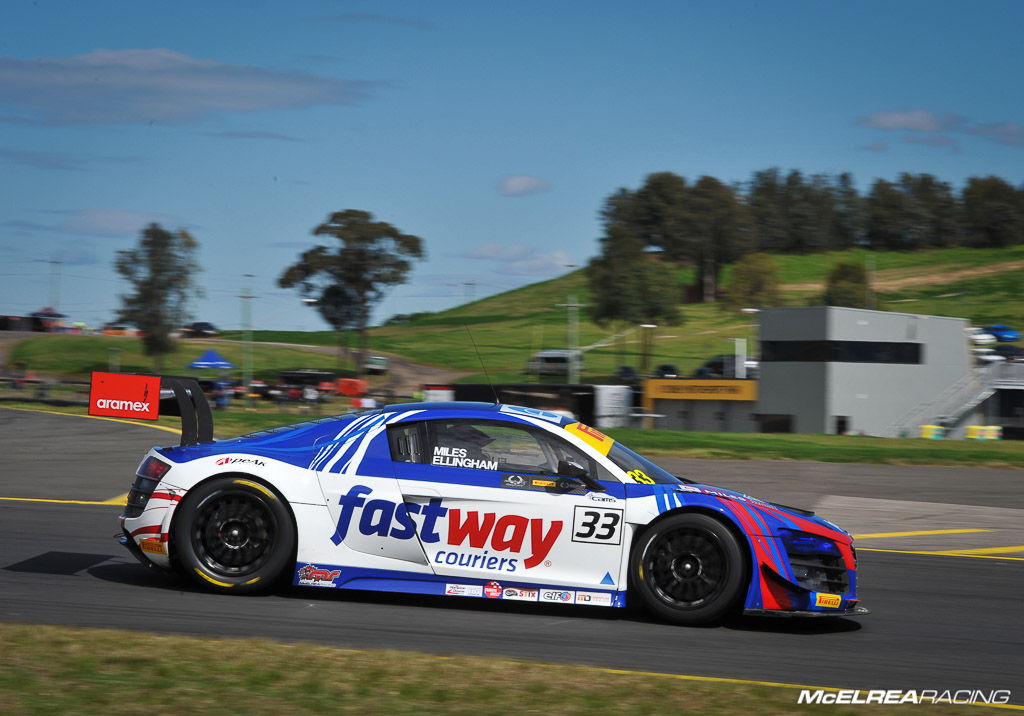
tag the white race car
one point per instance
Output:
(478, 500)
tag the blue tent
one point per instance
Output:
(211, 359)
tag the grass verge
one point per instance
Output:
(49, 669)
(728, 446)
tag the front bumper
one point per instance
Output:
(849, 612)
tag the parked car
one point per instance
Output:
(985, 356)
(554, 362)
(1009, 351)
(1003, 333)
(199, 329)
(499, 502)
(666, 370)
(724, 366)
(979, 337)
(376, 365)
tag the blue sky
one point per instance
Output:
(494, 131)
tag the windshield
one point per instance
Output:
(640, 468)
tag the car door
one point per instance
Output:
(505, 500)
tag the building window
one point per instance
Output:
(775, 423)
(842, 352)
(842, 423)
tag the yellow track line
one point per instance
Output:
(986, 550)
(97, 417)
(881, 535)
(105, 503)
(941, 554)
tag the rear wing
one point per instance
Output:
(131, 395)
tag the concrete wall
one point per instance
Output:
(731, 416)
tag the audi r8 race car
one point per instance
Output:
(478, 500)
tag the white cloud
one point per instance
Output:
(915, 120)
(157, 85)
(521, 185)
(1002, 133)
(522, 260)
(925, 122)
(108, 223)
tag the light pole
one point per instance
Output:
(55, 265)
(572, 331)
(752, 312)
(646, 341)
(247, 362)
(740, 358)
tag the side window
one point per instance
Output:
(406, 442)
(485, 445)
(489, 445)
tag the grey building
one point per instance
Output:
(835, 370)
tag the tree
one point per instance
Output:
(161, 270)
(349, 280)
(888, 223)
(848, 286)
(754, 282)
(993, 213)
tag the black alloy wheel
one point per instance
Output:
(689, 569)
(234, 534)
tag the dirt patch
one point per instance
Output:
(893, 279)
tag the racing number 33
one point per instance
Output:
(602, 526)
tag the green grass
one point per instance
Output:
(77, 356)
(51, 669)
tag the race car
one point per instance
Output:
(478, 500)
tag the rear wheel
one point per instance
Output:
(688, 569)
(234, 534)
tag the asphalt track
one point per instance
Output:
(942, 618)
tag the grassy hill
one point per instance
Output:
(983, 285)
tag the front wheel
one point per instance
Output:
(688, 569)
(234, 535)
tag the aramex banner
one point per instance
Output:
(125, 396)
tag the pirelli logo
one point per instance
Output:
(833, 601)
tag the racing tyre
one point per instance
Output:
(688, 569)
(234, 534)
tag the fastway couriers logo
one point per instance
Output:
(531, 539)
(125, 396)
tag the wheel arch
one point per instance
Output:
(723, 517)
(253, 480)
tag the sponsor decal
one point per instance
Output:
(456, 457)
(828, 600)
(594, 497)
(557, 596)
(153, 546)
(240, 461)
(314, 576)
(517, 539)
(543, 483)
(513, 481)
(125, 396)
(594, 599)
(899, 696)
(519, 594)
(464, 590)
(492, 590)
(595, 438)
(532, 412)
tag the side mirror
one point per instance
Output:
(570, 469)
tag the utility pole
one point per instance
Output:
(55, 265)
(247, 362)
